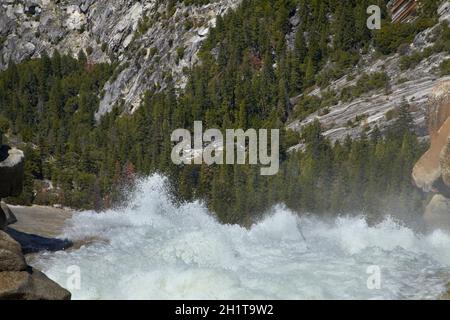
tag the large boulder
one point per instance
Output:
(11, 257)
(30, 285)
(19, 281)
(428, 169)
(11, 171)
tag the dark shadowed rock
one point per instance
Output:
(432, 171)
(11, 171)
(17, 279)
(10, 217)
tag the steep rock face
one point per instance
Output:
(413, 85)
(11, 171)
(11, 258)
(432, 171)
(428, 170)
(148, 39)
(374, 107)
(17, 279)
(10, 218)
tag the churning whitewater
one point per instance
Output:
(154, 250)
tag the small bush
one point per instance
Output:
(365, 84)
(188, 25)
(445, 68)
(89, 50)
(180, 52)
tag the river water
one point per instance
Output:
(154, 250)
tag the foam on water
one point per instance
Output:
(154, 250)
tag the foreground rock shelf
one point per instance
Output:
(19, 281)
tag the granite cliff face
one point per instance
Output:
(151, 41)
(432, 171)
(146, 38)
(412, 85)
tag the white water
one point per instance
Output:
(154, 250)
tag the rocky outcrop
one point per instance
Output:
(10, 218)
(444, 11)
(21, 282)
(148, 39)
(11, 180)
(11, 171)
(11, 258)
(375, 108)
(432, 171)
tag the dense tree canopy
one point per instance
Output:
(253, 61)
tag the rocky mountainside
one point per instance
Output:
(148, 39)
(412, 85)
(151, 40)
